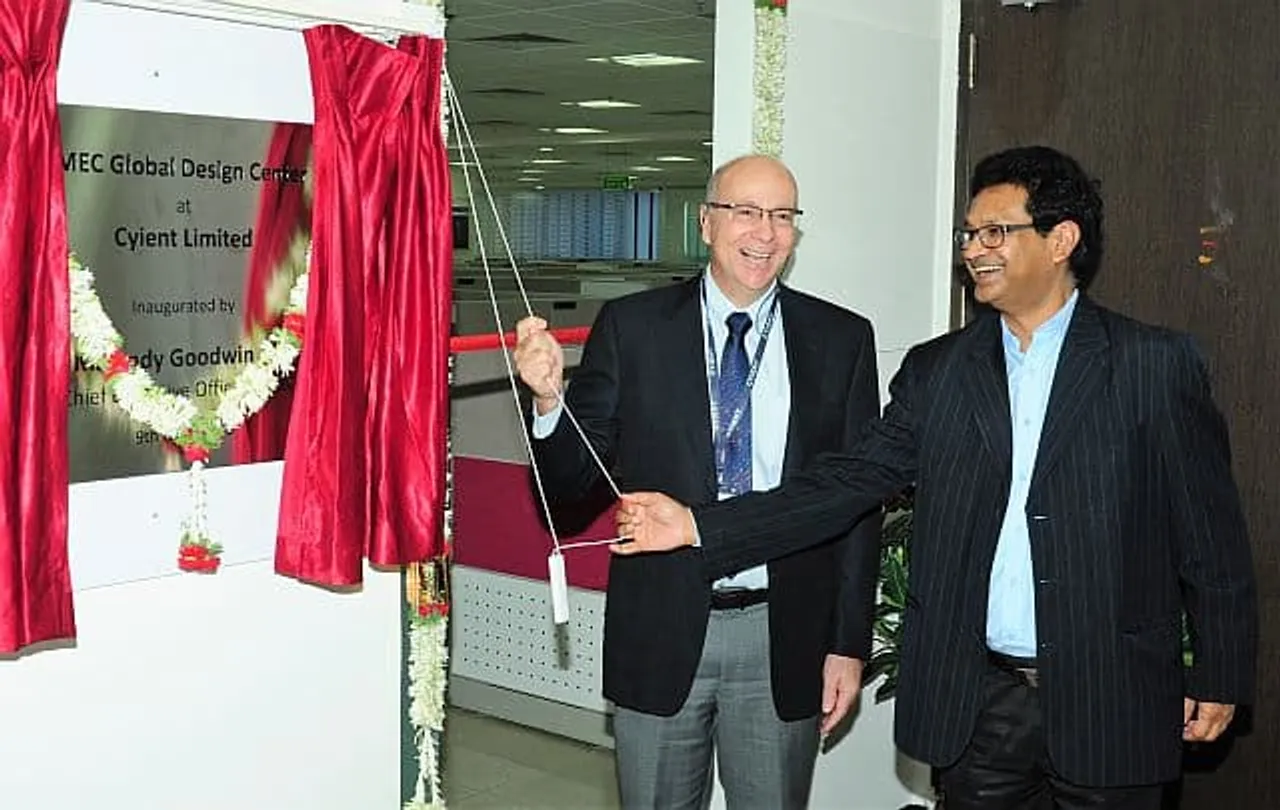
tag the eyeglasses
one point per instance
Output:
(989, 236)
(754, 214)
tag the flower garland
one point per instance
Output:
(427, 591)
(196, 432)
(769, 76)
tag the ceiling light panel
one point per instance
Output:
(601, 104)
(646, 60)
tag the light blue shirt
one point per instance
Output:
(1011, 594)
(770, 398)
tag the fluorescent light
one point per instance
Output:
(706, 143)
(539, 188)
(462, 163)
(546, 149)
(645, 169)
(579, 131)
(647, 60)
(546, 161)
(600, 104)
(673, 159)
(532, 171)
(528, 180)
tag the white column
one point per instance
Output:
(870, 133)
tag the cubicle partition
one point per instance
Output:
(508, 658)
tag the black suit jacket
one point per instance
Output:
(640, 393)
(1133, 518)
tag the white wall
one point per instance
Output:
(869, 133)
(238, 690)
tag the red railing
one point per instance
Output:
(569, 336)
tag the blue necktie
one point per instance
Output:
(735, 477)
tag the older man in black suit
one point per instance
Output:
(726, 384)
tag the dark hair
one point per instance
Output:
(1057, 190)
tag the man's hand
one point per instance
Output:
(540, 362)
(1204, 721)
(650, 521)
(841, 683)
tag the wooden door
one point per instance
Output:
(1175, 106)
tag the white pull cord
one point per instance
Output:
(463, 130)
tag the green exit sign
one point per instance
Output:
(617, 182)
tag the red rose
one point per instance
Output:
(117, 363)
(194, 551)
(779, 3)
(200, 564)
(440, 609)
(296, 323)
(194, 452)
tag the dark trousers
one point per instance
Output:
(1007, 767)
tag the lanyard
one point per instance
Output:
(720, 437)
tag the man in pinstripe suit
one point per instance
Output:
(1074, 500)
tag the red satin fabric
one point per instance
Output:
(35, 315)
(364, 459)
(282, 212)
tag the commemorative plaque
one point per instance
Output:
(166, 211)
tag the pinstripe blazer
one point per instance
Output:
(1133, 518)
(640, 393)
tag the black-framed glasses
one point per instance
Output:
(989, 236)
(753, 214)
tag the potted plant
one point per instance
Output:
(891, 602)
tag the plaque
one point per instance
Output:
(172, 213)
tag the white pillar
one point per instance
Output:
(870, 134)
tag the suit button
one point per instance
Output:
(1047, 583)
(1046, 648)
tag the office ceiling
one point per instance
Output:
(515, 63)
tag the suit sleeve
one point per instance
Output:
(567, 469)
(826, 500)
(1215, 562)
(859, 551)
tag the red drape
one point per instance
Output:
(282, 210)
(35, 315)
(364, 460)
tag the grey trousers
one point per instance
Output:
(664, 763)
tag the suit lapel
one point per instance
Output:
(805, 357)
(987, 388)
(1083, 369)
(685, 339)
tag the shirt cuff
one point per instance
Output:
(697, 538)
(545, 424)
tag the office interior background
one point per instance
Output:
(596, 163)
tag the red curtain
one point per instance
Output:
(35, 338)
(364, 459)
(282, 212)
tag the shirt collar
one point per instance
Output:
(1048, 335)
(719, 307)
